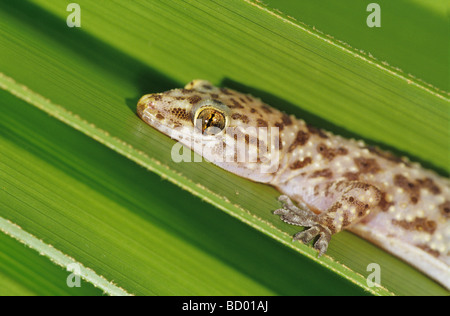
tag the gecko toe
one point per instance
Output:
(281, 211)
(292, 219)
(308, 235)
(322, 243)
(285, 200)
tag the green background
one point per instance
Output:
(81, 172)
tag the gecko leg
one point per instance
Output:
(303, 216)
(353, 202)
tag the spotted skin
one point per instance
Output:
(337, 183)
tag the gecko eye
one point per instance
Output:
(210, 121)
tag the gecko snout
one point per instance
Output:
(145, 102)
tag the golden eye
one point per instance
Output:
(210, 121)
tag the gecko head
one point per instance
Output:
(231, 129)
(184, 109)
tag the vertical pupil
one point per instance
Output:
(211, 120)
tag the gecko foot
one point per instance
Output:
(303, 216)
(291, 214)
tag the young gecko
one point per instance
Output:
(337, 183)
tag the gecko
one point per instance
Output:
(328, 183)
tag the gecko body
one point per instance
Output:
(337, 183)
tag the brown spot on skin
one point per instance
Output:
(326, 173)
(327, 188)
(335, 207)
(352, 175)
(280, 126)
(384, 204)
(207, 87)
(316, 131)
(159, 117)
(427, 248)
(325, 151)
(214, 95)
(330, 153)
(262, 123)
(236, 116)
(409, 186)
(361, 208)
(419, 223)
(186, 91)
(346, 221)
(253, 110)
(266, 108)
(413, 187)
(300, 140)
(243, 118)
(365, 186)
(428, 183)
(242, 100)
(328, 217)
(316, 190)
(181, 114)
(385, 154)
(301, 163)
(401, 181)
(236, 104)
(347, 186)
(444, 208)
(194, 99)
(367, 165)
(286, 119)
(226, 91)
(340, 185)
